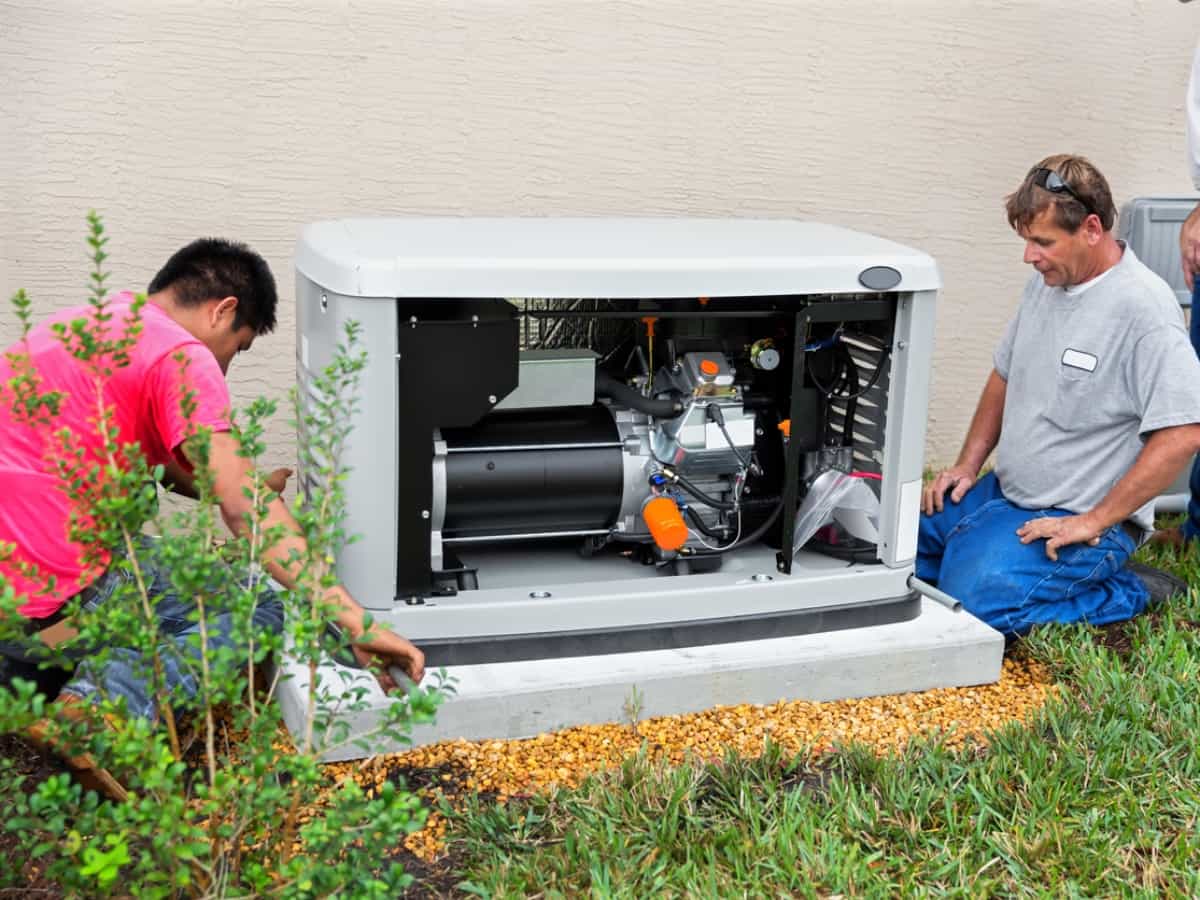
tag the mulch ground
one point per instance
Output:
(504, 771)
(435, 877)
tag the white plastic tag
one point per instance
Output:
(1077, 359)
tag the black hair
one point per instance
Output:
(215, 268)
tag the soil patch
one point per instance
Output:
(1119, 636)
(36, 766)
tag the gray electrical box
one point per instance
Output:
(1151, 226)
(548, 378)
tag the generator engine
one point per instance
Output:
(662, 462)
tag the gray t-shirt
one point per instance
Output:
(1089, 376)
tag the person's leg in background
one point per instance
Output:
(1191, 525)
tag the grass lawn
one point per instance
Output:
(1099, 796)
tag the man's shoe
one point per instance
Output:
(1168, 537)
(84, 769)
(1161, 585)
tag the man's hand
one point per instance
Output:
(181, 481)
(277, 480)
(377, 648)
(1189, 246)
(960, 478)
(1060, 531)
(380, 649)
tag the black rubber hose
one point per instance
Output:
(761, 529)
(702, 527)
(706, 499)
(851, 402)
(607, 386)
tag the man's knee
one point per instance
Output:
(269, 615)
(993, 597)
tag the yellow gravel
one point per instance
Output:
(564, 758)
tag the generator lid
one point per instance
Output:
(603, 258)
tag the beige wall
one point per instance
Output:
(248, 119)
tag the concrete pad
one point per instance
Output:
(939, 648)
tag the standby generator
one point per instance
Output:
(597, 439)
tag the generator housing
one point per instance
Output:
(590, 438)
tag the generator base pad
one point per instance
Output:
(937, 649)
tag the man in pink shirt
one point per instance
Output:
(208, 303)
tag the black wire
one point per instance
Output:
(846, 370)
(851, 405)
(826, 390)
(732, 446)
(887, 351)
(713, 413)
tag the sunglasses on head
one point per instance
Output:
(1051, 181)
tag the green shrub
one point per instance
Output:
(217, 808)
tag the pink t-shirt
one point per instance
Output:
(144, 398)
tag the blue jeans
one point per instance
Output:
(1191, 525)
(123, 673)
(971, 551)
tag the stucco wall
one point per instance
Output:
(247, 119)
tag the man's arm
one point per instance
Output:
(1189, 246)
(1189, 235)
(982, 438)
(1163, 457)
(231, 474)
(179, 480)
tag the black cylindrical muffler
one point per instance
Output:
(533, 472)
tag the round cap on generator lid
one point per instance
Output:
(708, 367)
(879, 278)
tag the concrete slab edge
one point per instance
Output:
(938, 649)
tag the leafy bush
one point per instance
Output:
(218, 803)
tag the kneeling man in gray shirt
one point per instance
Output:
(1092, 408)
